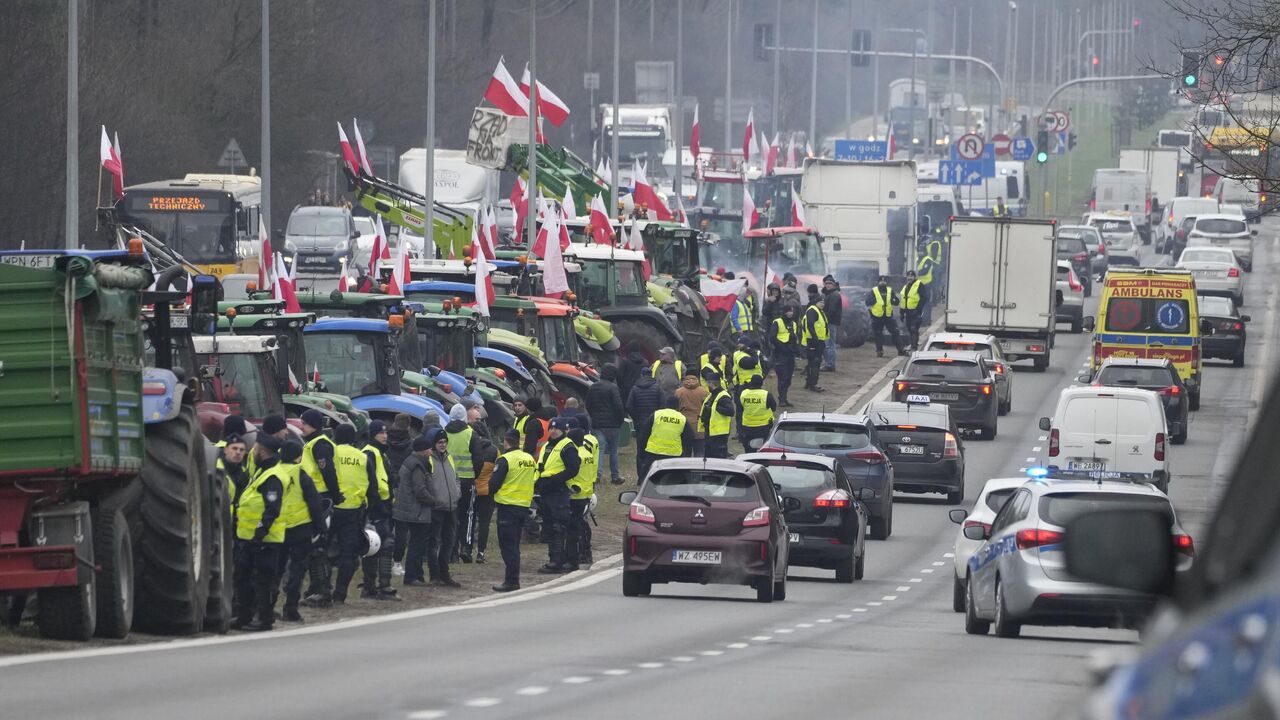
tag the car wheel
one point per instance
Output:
(635, 584)
(780, 589)
(955, 497)
(878, 528)
(972, 624)
(1042, 363)
(847, 569)
(1077, 325)
(1004, 407)
(1238, 360)
(1193, 400)
(858, 566)
(1088, 289)
(1005, 627)
(957, 594)
(764, 589)
(989, 431)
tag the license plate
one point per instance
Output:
(1207, 273)
(944, 396)
(910, 449)
(1087, 465)
(30, 261)
(1221, 241)
(795, 538)
(696, 557)
(315, 260)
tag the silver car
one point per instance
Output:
(1119, 234)
(1217, 271)
(1018, 576)
(1219, 230)
(990, 500)
(1070, 297)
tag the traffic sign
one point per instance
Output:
(1064, 120)
(1060, 143)
(969, 147)
(1001, 143)
(862, 150)
(960, 172)
(1055, 121)
(231, 156)
(1021, 148)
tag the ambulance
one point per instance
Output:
(1151, 313)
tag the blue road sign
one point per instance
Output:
(985, 164)
(1060, 146)
(862, 150)
(1022, 148)
(960, 172)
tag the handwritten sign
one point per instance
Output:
(490, 134)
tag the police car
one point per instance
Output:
(1018, 575)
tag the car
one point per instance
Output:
(1118, 430)
(1018, 576)
(1175, 212)
(989, 348)
(924, 445)
(1119, 234)
(1155, 374)
(707, 521)
(992, 497)
(324, 237)
(852, 440)
(1229, 335)
(1083, 247)
(1232, 210)
(1242, 192)
(1218, 230)
(829, 529)
(364, 244)
(1178, 242)
(1070, 297)
(1216, 270)
(959, 379)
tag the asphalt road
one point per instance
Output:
(888, 646)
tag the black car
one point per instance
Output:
(1078, 244)
(924, 445)
(1229, 336)
(852, 441)
(829, 530)
(1157, 375)
(961, 380)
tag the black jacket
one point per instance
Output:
(833, 305)
(604, 405)
(646, 399)
(399, 447)
(629, 370)
(560, 481)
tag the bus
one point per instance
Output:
(1243, 153)
(211, 220)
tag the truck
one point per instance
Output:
(866, 213)
(1162, 168)
(644, 134)
(1002, 280)
(1126, 190)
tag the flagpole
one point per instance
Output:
(266, 120)
(72, 192)
(617, 44)
(531, 220)
(429, 184)
(679, 97)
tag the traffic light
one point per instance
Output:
(1071, 141)
(1190, 70)
(1042, 147)
(763, 41)
(860, 45)
(1137, 25)
(1096, 61)
(1042, 156)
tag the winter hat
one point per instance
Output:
(270, 442)
(313, 418)
(273, 424)
(377, 426)
(345, 434)
(562, 423)
(458, 412)
(233, 425)
(291, 452)
(422, 442)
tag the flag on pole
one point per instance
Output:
(567, 204)
(360, 151)
(550, 106)
(771, 158)
(721, 294)
(283, 288)
(893, 147)
(119, 156)
(637, 244)
(554, 278)
(797, 209)
(491, 225)
(348, 155)
(380, 251)
(109, 161)
(265, 260)
(400, 275)
(603, 171)
(644, 194)
(483, 282)
(505, 94)
(808, 149)
(792, 159)
(750, 216)
(293, 381)
(601, 226)
(695, 145)
(315, 373)
(749, 146)
(342, 275)
(679, 215)
(519, 201)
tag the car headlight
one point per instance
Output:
(341, 247)
(290, 247)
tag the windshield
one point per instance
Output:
(1070, 245)
(721, 195)
(240, 385)
(921, 417)
(1062, 508)
(791, 476)
(349, 365)
(943, 369)
(1222, 307)
(981, 348)
(939, 213)
(1148, 315)
(201, 237)
(643, 143)
(450, 348)
(1213, 256)
(314, 224)
(823, 436)
(1221, 226)
(1136, 376)
(794, 252)
(701, 484)
(559, 341)
(365, 225)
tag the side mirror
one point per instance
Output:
(1253, 232)
(1089, 324)
(1085, 378)
(628, 497)
(1175, 428)
(1045, 423)
(790, 504)
(1245, 318)
(958, 515)
(209, 372)
(976, 532)
(835, 246)
(1128, 549)
(892, 373)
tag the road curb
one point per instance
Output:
(879, 380)
(598, 566)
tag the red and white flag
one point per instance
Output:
(797, 209)
(400, 275)
(567, 205)
(721, 294)
(637, 243)
(348, 155)
(110, 161)
(554, 278)
(265, 259)
(284, 286)
(750, 216)
(601, 226)
(695, 146)
(550, 106)
(315, 373)
(749, 143)
(771, 157)
(380, 251)
(483, 281)
(792, 159)
(119, 156)
(550, 228)
(644, 194)
(519, 201)
(505, 94)
(604, 171)
(293, 381)
(771, 278)
(360, 151)
(893, 147)
(343, 284)
(491, 226)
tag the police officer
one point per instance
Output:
(512, 485)
(716, 360)
(668, 435)
(232, 465)
(913, 297)
(742, 316)
(355, 480)
(756, 409)
(259, 533)
(558, 463)
(747, 364)
(303, 512)
(716, 419)
(275, 426)
(881, 302)
(377, 569)
(318, 463)
(813, 337)
(581, 488)
(784, 336)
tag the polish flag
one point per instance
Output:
(771, 158)
(315, 373)
(520, 201)
(721, 294)
(554, 278)
(645, 195)
(293, 381)
(364, 156)
(550, 106)
(491, 225)
(348, 154)
(551, 226)
(749, 142)
(601, 227)
(797, 209)
(750, 216)
(604, 171)
(342, 276)
(480, 235)
(792, 159)
(637, 243)
(483, 281)
(265, 262)
(567, 205)
(893, 147)
(284, 286)
(380, 250)
(695, 147)
(119, 156)
(110, 160)
(400, 275)
(771, 278)
(504, 94)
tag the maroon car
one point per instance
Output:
(707, 521)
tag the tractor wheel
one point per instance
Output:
(637, 336)
(855, 326)
(113, 553)
(696, 339)
(177, 532)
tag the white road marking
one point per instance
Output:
(782, 631)
(1042, 438)
(576, 680)
(427, 715)
(939, 564)
(711, 653)
(649, 665)
(844, 616)
(804, 625)
(533, 690)
(902, 588)
(1022, 469)
(737, 646)
(1031, 459)
(948, 555)
(616, 672)
(873, 603)
(863, 609)
(683, 659)
(483, 702)
(889, 597)
(762, 638)
(1037, 448)
(824, 620)
(916, 580)
(926, 570)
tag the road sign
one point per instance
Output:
(969, 147)
(960, 172)
(862, 150)
(1055, 121)
(1021, 148)
(1060, 143)
(231, 156)
(1001, 143)
(1064, 120)
(590, 81)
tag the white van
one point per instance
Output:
(1239, 192)
(1113, 430)
(1127, 190)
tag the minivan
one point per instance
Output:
(1121, 432)
(1126, 190)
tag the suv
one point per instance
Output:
(852, 440)
(1225, 231)
(1119, 234)
(962, 380)
(989, 348)
(1082, 246)
(1157, 375)
(323, 238)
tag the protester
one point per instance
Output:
(690, 397)
(607, 412)
(412, 509)
(646, 399)
(833, 306)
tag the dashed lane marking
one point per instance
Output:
(873, 603)
(533, 690)
(862, 609)
(844, 616)
(938, 564)
(804, 625)
(889, 598)
(737, 646)
(711, 653)
(426, 715)
(649, 665)
(616, 672)
(483, 702)
(902, 588)
(926, 570)
(683, 659)
(576, 680)
(762, 638)
(916, 580)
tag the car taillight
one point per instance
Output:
(1053, 443)
(1026, 539)
(986, 389)
(1234, 326)
(986, 527)
(757, 517)
(1171, 390)
(1160, 446)
(950, 449)
(1102, 249)
(900, 386)
(1073, 283)
(1182, 543)
(770, 448)
(641, 513)
(1080, 257)
(1148, 206)
(1233, 272)
(871, 457)
(999, 368)
(1035, 348)
(833, 499)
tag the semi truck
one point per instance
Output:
(866, 213)
(1002, 281)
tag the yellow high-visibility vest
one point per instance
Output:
(755, 408)
(353, 476)
(910, 295)
(517, 488)
(252, 505)
(884, 302)
(667, 436)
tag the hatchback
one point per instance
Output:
(993, 496)
(323, 237)
(1228, 231)
(1228, 338)
(1216, 270)
(924, 445)
(1119, 234)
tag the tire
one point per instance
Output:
(880, 528)
(847, 569)
(1077, 325)
(855, 325)
(957, 594)
(859, 566)
(989, 431)
(1088, 289)
(1163, 484)
(1041, 363)
(972, 624)
(67, 613)
(1004, 407)
(634, 335)
(764, 589)
(173, 560)
(1238, 359)
(634, 583)
(1193, 400)
(113, 554)
(1004, 627)
(217, 613)
(569, 390)
(780, 589)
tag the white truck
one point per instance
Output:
(1002, 281)
(644, 134)
(866, 211)
(458, 184)
(1162, 167)
(1124, 190)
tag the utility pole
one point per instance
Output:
(875, 77)
(591, 91)
(531, 217)
(617, 47)
(679, 101)
(728, 80)
(848, 75)
(1031, 76)
(429, 183)
(265, 171)
(777, 63)
(72, 191)
(813, 83)
(951, 74)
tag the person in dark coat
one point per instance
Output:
(573, 409)
(631, 368)
(646, 398)
(833, 306)
(412, 509)
(604, 405)
(772, 307)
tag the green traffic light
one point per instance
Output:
(1189, 80)
(1042, 157)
